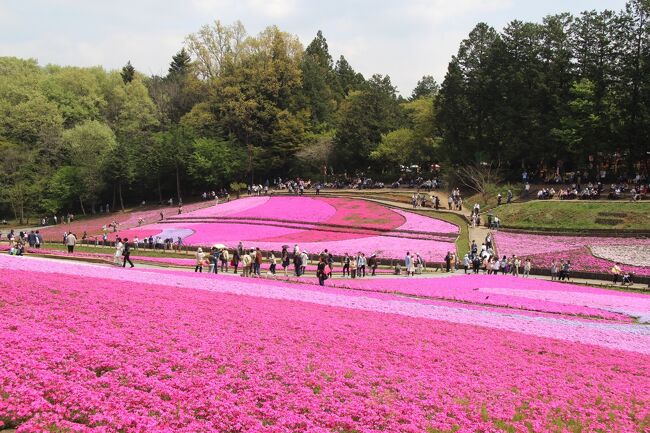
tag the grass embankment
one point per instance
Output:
(111, 249)
(575, 215)
(462, 242)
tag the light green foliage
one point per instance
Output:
(415, 144)
(90, 143)
(76, 93)
(212, 162)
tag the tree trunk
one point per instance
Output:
(81, 202)
(22, 213)
(178, 183)
(13, 207)
(160, 200)
(250, 161)
(113, 207)
(119, 187)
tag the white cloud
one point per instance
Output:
(405, 39)
(267, 8)
(274, 8)
(440, 10)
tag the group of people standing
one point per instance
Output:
(413, 264)
(489, 262)
(355, 265)
(251, 262)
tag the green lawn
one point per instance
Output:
(110, 250)
(575, 215)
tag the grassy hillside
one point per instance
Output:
(576, 215)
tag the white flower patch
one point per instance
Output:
(634, 255)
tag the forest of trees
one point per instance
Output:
(236, 107)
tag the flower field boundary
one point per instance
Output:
(337, 228)
(623, 336)
(619, 233)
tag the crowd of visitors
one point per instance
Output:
(485, 259)
(293, 261)
(17, 242)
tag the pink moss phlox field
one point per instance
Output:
(355, 214)
(622, 336)
(226, 209)
(292, 208)
(93, 226)
(96, 354)
(361, 213)
(524, 243)
(416, 222)
(529, 294)
(582, 260)
(545, 248)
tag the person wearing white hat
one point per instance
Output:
(199, 260)
(304, 259)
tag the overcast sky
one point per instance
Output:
(405, 39)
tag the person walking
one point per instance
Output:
(284, 258)
(466, 262)
(408, 264)
(448, 261)
(361, 265)
(320, 271)
(616, 272)
(258, 262)
(119, 248)
(236, 258)
(304, 261)
(527, 267)
(274, 263)
(353, 266)
(297, 263)
(38, 239)
(71, 241)
(330, 264)
(200, 256)
(225, 257)
(554, 269)
(372, 264)
(516, 264)
(346, 265)
(213, 261)
(127, 253)
(419, 264)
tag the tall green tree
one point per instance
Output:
(128, 72)
(347, 79)
(468, 96)
(212, 163)
(317, 78)
(90, 143)
(427, 87)
(134, 122)
(365, 116)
